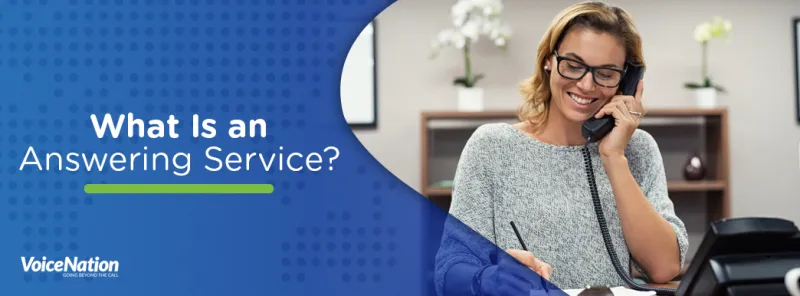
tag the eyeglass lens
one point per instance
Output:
(575, 70)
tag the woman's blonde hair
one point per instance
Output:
(593, 15)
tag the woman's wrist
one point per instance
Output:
(614, 159)
(616, 167)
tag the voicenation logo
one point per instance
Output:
(73, 267)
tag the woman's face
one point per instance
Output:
(577, 100)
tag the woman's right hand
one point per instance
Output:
(518, 273)
(525, 257)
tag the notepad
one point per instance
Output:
(618, 291)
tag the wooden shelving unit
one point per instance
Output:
(678, 131)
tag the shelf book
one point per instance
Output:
(679, 132)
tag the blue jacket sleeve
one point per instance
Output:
(462, 254)
(467, 242)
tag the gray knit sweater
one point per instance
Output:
(504, 175)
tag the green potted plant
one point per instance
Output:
(471, 20)
(706, 90)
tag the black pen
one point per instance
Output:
(519, 237)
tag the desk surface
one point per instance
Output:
(670, 285)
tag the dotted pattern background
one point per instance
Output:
(352, 230)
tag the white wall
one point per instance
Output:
(756, 67)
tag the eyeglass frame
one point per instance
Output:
(589, 69)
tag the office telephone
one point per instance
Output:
(743, 256)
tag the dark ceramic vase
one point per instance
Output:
(694, 169)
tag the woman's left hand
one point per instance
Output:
(626, 111)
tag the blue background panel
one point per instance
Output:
(355, 229)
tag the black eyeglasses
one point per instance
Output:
(575, 70)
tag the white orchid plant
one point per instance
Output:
(703, 34)
(471, 20)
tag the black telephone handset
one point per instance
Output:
(595, 129)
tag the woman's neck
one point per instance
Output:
(560, 131)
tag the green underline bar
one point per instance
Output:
(178, 188)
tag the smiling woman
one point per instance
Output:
(586, 49)
(532, 173)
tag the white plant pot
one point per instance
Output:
(470, 99)
(706, 97)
